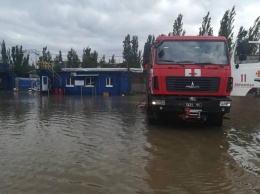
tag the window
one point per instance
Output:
(251, 52)
(191, 52)
(89, 82)
(109, 82)
(70, 82)
(44, 80)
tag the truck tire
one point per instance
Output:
(152, 121)
(215, 120)
(151, 118)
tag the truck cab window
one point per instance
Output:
(211, 52)
(252, 54)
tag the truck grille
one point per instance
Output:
(192, 84)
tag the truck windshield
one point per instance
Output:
(192, 52)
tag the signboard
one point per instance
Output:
(79, 83)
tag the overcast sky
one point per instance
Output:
(103, 25)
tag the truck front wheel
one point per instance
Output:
(152, 119)
(215, 120)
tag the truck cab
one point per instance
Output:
(189, 78)
(245, 68)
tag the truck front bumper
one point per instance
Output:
(178, 104)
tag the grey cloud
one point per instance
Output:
(103, 25)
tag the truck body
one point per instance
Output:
(189, 78)
(245, 68)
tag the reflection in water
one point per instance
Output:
(188, 160)
(244, 133)
(200, 159)
(71, 144)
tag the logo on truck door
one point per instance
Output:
(192, 72)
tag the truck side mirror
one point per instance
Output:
(242, 48)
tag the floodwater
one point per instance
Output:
(73, 144)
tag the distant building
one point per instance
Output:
(87, 81)
(7, 77)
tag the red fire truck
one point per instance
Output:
(189, 77)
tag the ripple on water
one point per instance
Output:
(245, 148)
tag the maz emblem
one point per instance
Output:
(192, 86)
(192, 99)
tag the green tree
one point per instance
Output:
(89, 59)
(73, 59)
(178, 27)
(112, 60)
(206, 28)
(102, 61)
(58, 62)
(241, 33)
(19, 61)
(147, 49)
(127, 49)
(26, 67)
(131, 55)
(252, 34)
(226, 26)
(4, 53)
(136, 55)
(46, 56)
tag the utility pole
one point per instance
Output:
(36, 54)
(128, 74)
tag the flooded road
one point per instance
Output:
(69, 144)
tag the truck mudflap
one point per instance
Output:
(189, 108)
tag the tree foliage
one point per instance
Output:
(4, 53)
(206, 28)
(89, 59)
(102, 61)
(241, 33)
(46, 56)
(226, 26)
(147, 48)
(19, 61)
(252, 34)
(73, 59)
(178, 27)
(127, 49)
(112, 60)
(58, 62)
(131, 55)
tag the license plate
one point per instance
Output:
(192, 104)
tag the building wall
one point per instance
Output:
(7, 77)
(7, 81)
(118, 83)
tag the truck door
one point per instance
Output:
(245, 67)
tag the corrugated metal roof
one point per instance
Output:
(135, 70)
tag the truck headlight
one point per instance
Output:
(158, 102)
(225, 103)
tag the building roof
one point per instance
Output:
(134, 70)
